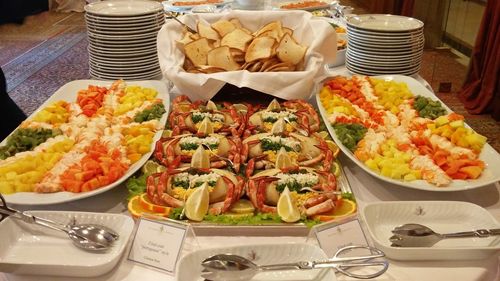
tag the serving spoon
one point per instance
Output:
(417, 235)
(90, 237)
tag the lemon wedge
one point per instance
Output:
(166, 133)
(206, 127)
(200, 159)
(197, 204)
(242, 206)
(333, 147)
(287, 209)
(151, 167)
(283, 159)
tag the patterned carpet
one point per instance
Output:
(50, 49)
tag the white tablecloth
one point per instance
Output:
(366, 189)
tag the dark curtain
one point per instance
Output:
(480, 93)
(11, 114)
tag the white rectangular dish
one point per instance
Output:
(35, 250)
(189, 268)
(442, 217)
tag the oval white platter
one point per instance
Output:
(490, 157)
(169, 5)
(68, 93)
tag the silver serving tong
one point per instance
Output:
(89, 237)
(231, 267)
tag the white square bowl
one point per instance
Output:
(32, 249)
(442, 217)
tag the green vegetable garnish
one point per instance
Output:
(194, 146)
(267, 144)
(154, 112)
(26, 139)
(427, 108)
(136, 185)
(350, 134)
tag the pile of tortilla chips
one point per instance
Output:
(228, 46)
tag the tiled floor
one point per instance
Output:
(49, 50)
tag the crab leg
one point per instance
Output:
(320, 208)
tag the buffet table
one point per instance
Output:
(366, 189)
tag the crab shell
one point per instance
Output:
(271, 194)
(228, 120)
(308, 146)
(222, 150)
(220, 189)
(256, 120)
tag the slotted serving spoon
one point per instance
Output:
(90, 237)
(417, 235)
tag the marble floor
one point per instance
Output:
(50, 49)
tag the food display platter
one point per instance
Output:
(68, 93)
(315, 5)
(488, 154)
(169, 5)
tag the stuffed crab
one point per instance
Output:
(177, 151)
(314, 192)
(299, 116)
(186, 116)
(173, 187)
(261, 149)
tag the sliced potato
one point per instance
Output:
(223, 27)
(221, 58)
(269, 63)
(237, 39)
(210, 69)
(260, 48)
(290, 51)
(197, 51)
(207, 31)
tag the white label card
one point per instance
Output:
(333, 238)
(157, 244)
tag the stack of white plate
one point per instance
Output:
(122, 39)
(384, 44)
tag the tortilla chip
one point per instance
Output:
(223, 27)
(237, 39)
(207, 31)
(290, 51)
(221, 58)
(197, 51)
(260, 48)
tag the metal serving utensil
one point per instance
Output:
(89, 237)
(417, 235)
(173, 16)
(231, 267)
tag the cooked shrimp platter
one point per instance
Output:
(242, 164)
(397, 130)
(88, 137)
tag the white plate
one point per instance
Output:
(68, 93)
(490, 157)
(147, 30)
(352, 28)
(128, 60)
(169, 5)
(141, 36)
(189, 268)
(121, 43)
(314, 8)
(120, 54)
(123, 8)
(153, 74)
(114, 69)
(125, 20)
(36, 250)
(384, 22)
(442, 217)
(120, 27)
(385, 71)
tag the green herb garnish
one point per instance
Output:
(154, 112)
(136, 185)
